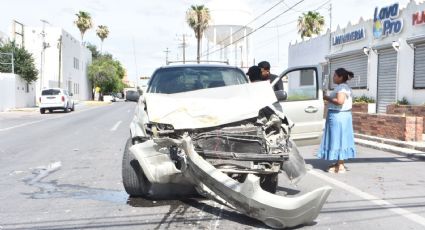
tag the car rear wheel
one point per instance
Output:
(269, 182)
(73, 107)
(42, 111)
(50, 110)
(66, 109)
(133, 177)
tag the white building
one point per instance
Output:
(14, 91)
(386, 54)
(62, 63)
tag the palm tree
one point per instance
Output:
(310, 23)
(102, 32)
(198, 17)
(83, 23)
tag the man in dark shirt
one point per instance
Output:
(266, 75)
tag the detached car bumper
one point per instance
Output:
(247, 197)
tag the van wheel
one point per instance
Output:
(133, 177)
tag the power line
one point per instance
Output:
(255, 30)
(285, 24)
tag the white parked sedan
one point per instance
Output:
(56, 98)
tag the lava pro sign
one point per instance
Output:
(352, 36)
(386, 21)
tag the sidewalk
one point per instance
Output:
(404, 148)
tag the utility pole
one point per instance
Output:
(183, 45)
(43, 48)
(166, 55)
(330, 27)
(60, 60)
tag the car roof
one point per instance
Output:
(198, 65)
(52, 88)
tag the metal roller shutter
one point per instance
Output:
(419, 72)
(356, 63)
(387, 79)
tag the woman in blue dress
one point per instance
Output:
(338, 138)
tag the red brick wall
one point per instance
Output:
(408, 110)
(389, 126)
(360, 107)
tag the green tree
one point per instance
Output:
(310, 23)
(23, 62)
(94, 52)
(83, 22)
(106, 73)
(198, 17)
(102, 32)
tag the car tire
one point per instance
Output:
(73, 107)
(65, 110)
(50, 110)
(269, 182)
(42, 111)
(134, 179)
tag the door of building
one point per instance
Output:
(356, 63)
(387, 79)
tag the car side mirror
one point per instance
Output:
(281, 95)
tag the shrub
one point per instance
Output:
(363, 99)
(403, 101)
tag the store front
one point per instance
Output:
(386, 54)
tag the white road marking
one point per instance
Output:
(376, 200)
(25, 124)
(51, 118)
(116, 126)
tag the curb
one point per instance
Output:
(403, 144)
(411, 153)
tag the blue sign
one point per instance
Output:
(348, 37)
(386, 21)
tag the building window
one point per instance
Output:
(357, 64)
(419, 67)
(76, 63)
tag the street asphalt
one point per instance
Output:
(63, 171)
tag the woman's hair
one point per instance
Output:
(350, 75)
(345, 74)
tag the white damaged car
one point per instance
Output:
(206, 129)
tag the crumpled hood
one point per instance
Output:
(210, 107)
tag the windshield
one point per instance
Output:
(183, 79)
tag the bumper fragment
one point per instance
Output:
(248, 197)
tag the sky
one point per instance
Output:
(140, 31)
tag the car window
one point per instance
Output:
(183, 79)
(301, 85)
(48, 92)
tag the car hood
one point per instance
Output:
(210, 107)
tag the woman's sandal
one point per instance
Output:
(337, 169)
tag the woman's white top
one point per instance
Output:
(348, 102)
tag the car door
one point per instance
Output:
(304, 103)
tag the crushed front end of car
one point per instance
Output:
(230, 149)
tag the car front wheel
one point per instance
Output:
(133, 177)
(42, 111)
